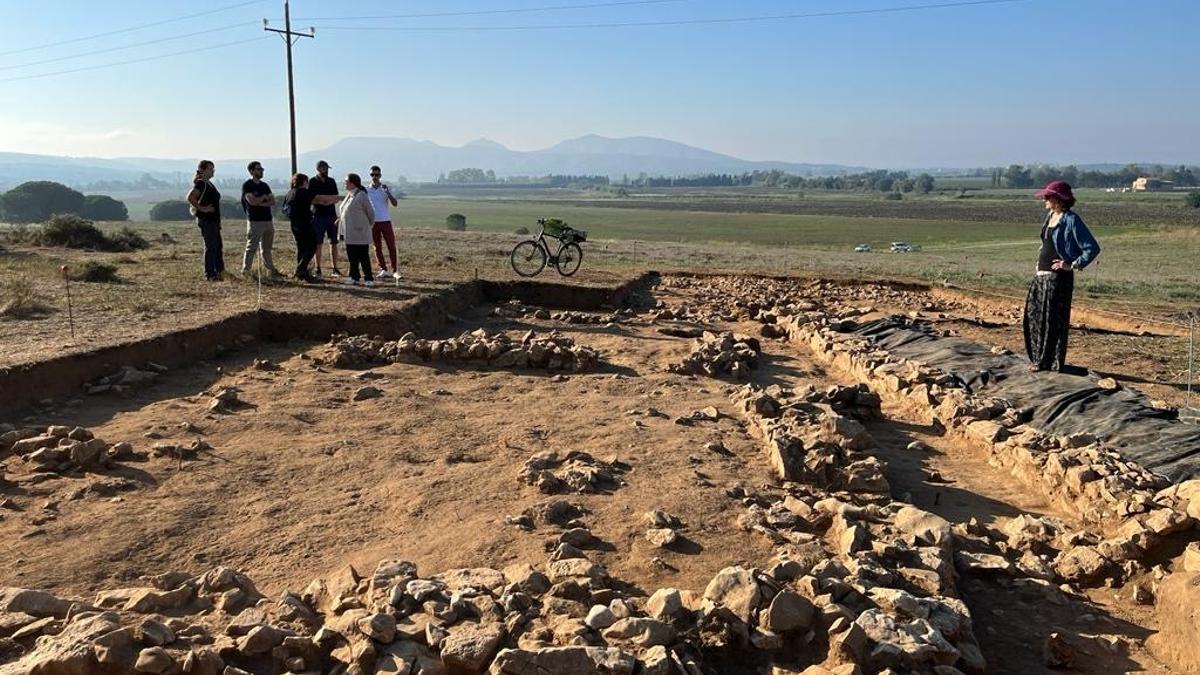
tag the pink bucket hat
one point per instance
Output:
(1060, 190)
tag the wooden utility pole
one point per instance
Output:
(289, 39)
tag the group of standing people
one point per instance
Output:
(317, 213)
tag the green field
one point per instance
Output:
(988, 241)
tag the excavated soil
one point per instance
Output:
(302, 478)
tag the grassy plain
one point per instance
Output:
(1148, 267)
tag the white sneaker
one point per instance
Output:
(349, 282)
(368, 283)
(396, 276)
(382, 274)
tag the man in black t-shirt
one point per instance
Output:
(325, 215)
(257, 201)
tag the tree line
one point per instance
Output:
(1018, 176)
(36, 201)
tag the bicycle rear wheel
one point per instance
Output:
(528, 258)
(569, 258)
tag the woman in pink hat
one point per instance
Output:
(1067, 246)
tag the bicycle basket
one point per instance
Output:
(555, 227)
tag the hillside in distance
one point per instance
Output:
(426, 160)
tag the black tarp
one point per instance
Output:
(1051, 402)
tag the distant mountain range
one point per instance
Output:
(425, 160)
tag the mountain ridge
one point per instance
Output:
(420, 160)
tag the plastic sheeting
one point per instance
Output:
(1051, 402)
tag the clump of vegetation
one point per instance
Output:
(894, 196)
(96, 272)
(521, 230)
(127, 239)
(18, 299)
(76, 232)
(1193, 199)
(456, 222)
(71, 232)
(170, 210)
(103, 207)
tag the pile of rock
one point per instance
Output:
(517, 309)
(1131, 511)
(717, 354)
(811, 442)
(552, 351)
(568, 617)
(62, 449)
(124, 379)
(575, 471)
(1076, 472)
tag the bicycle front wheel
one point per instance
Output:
(528, 258)
(569, 258)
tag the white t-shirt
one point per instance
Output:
(379, 202)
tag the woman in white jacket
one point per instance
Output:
(356, 217)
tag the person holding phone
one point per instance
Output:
(382, 231)
(205, 202)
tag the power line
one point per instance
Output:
(479, 12)
(131, 61)
(131, 29)
(680, 22)
(129, 46)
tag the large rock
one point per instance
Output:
(642, 632)
(469, 647)
(735, 589)
(1082, 564)
(35, 603)
(906, 645)
(788, 611)
(923, 526)
(564, 661)
(70, 652)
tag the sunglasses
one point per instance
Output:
(376, 175)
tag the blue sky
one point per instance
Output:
(1036, 80)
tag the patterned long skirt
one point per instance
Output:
(1048, 319)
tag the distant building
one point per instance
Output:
(1144, 184)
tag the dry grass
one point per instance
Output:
(19, 299)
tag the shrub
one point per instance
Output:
(170, 210)
(893, 196)
(522, 230)
(96, 272)
(35, 201)
(103, 207)
(231, 208)
(126, 239)
(71, 232)
(1193, 199)
(18, 299)
(456, 222)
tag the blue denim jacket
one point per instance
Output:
(1074, 241)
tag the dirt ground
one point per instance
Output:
(304, 479)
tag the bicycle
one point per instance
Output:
(529, 257)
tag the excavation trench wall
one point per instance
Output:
(23, 387)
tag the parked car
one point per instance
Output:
(862, 248)
(901, 247)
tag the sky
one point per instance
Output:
(1030, 81)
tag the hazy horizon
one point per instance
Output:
(1019, 82)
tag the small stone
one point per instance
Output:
(378, 627)
(600, 617)
(154, 660)
(662, 537)
(367, 392)
(788, 611)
